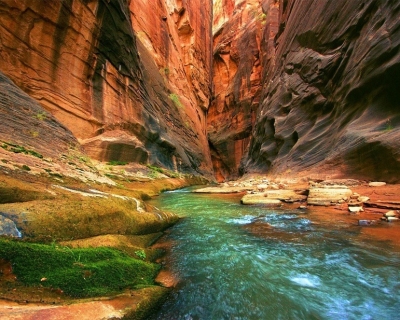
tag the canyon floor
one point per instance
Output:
(93, 205)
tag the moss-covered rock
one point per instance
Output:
(77, 272)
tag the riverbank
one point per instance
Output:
(339, 202)
(77, 242)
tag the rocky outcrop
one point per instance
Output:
(243, 33)
(329, 103)
(86, 64)
(25, 127)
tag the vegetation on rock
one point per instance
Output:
(77, 272)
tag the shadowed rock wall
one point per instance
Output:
(330, 100)
(80, 59)
(243, 43)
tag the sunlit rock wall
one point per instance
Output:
(330, 100)
(243, 44)
(84, 61)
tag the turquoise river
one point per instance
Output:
(251, 262)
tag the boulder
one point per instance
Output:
(259, 199)
(327, 196)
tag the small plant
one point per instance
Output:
(141, 254)
(175, 99)
(25, 167)
(165, 71)
(388, 125)
(20, 149)
(41, 116)
(34, 134)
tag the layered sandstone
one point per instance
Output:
(243, 33)
(330, 99)
(86, 64)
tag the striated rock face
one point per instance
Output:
(25, 123)
(330, 101)
(243, 33)
(89, 63)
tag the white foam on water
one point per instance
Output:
(242, 220)
(306, 281)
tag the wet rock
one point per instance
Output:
(366, 222)
(392, 219)
(8, 228)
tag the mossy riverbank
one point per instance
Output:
(83, 241)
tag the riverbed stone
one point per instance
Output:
(391, 213)
(329, 195)
(377, 184)
(366, 222)
(356, 209)
(363, 199)
(8, 228)
(259, 199)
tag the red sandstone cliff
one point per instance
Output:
(330, 101)
(90, 64)
(243, 33)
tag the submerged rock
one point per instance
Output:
(8, 228)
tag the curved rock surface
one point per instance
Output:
(242, 34)
(84, 63)
(329, 102)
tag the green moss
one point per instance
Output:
(175, 99)
(117, 163)
(20, 149)
(78, 272)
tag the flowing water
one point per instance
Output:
(297, 269)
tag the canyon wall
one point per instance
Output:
(129, 89)
(330, 100)
(311, 89)
(243, 44)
